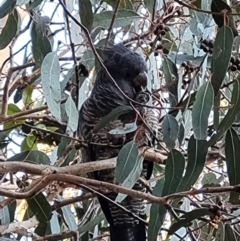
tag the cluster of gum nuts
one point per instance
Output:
(235, 64)
(207, 46)
(160, 32)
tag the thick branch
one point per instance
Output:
(77, 169)
(104, 186)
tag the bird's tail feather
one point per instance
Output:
(126, 227)
(128, 233)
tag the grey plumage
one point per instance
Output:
(129, 71)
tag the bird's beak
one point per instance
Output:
(141, 80)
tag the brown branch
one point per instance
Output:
(6, 94)
(69, 201)
(26, 80)
(23, 113)
(6, 202)
(104, 186)
(79, 181)
(77, 169)
(40, 170)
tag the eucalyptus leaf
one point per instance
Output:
(201, 110)
(197, 152)
(170, 130)
(50, 72)
(157, 213)
(7, 7)
(187, 218)
(86, 14)
(128, 168)
(72, 113)
(232, 152)
(40, 207)
(10, 29)
(222, 51)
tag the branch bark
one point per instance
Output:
(78, 169)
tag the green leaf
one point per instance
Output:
(41, 229)
(50, 72)
(54, 223)
(232, 152)
(6, 7)
(219, 6)
(201, 110)
(128, 168)
(68, 216)
(173, 172)
(29, 143)
(12, 109)
(220, 234)
(209, 179)
(9, 30)
(157, 213)
(18, 95)
(187, 218)
(170, 130)
(230, 117)
(40, 207)
(36, 157)
(40, 43)
(197, 152)
(86, 14)
(216, 115)
(72, 114)
(222, 51)
(123, 18)
(171, 77)
(27, 95)
(149, 4)
(62, 146)
(229, 233)
(112, 116)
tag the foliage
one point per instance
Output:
(50, 54)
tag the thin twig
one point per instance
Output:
(74, 58)
(112, 21)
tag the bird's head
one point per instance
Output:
(125, 64)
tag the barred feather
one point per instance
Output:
(128, 70)
(150, 120)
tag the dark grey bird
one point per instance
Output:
(129, 70)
